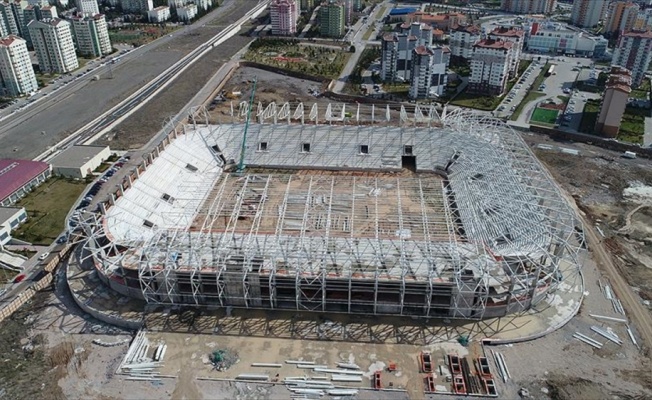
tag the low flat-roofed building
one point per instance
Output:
(10, 218)
(19, 177)
(79, 161)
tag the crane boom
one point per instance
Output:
(244, 136)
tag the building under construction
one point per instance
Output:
(453, 219)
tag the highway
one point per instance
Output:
(61, 111)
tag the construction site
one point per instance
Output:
(451, 217)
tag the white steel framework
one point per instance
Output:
(457, 220)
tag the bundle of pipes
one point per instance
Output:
(607, 334)
(502, 366)
(587, 340)
(136, 362)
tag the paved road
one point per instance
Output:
(61, 114)
(356, 36)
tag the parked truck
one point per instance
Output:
(629, 154)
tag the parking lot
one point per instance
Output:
(519, 91)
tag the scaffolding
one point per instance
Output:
(449, 216)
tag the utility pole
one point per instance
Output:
(244, 136)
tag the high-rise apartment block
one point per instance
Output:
(462, 39)
(528, 6)
(621, 17)
(159, 14)
(16, 72)
(331, 17)
(36, 12)
(284, 14)
(307, 5)
(187, 12)
(428, 76)
(587, 13)
(137, 6)
(88, 7)
(614, 102)
(92, 35)
(12, 20)
(634, 52)
(54, 46)
(490, 65)
(397, 50)
(515, 36)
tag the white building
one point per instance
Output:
(462, 39)
(517, 37)
(54, 46)
(428, 76)
(634, 52)
(284, 15)
(92, 35)
(397, 50)
(16, 72)
(490, 64)
(79, 161)
(587, 13)
(203, 4)
(556, 38)
(11, 18)
(187, 12)
(10, 218)
(176, 3)
(88, 7)
(528, 6)
(159, 14)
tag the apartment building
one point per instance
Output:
(587, 13)
(515, 36)
(348, 11)
(331, 19)
(176, 3)
(621, 17)
(187, 12)
(54, 45)
(203, 4)
(528, 6)
(159, 14)
(614, 102)
(12, 20)
(91, 35)
(137, 6)
(490, 64)
(634, 52)
(428, 76)
(307, 5)
(88, 7)
(462, 39)
(16, 73)
(284, 15)
(36, 12)
(398, 49)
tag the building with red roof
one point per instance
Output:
(19, 177)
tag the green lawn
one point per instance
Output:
(542, 76)
(47, 207)
(641, 92)
(530, 97)
(633, 125)
(544, 116)
(589, 116)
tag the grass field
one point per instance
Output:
(530, 97)
(47, 207)
(632, 126)
(544, 116)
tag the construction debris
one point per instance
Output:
(587, 340)
(138, 364)
(607, 334)
(612, 319)
(223, 359)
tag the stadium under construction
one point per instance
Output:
(447, 217)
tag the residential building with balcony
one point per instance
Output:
(397, 50)
(462, 39)
(515, 36)
(331, 19)
(634, 52)
(92, 35)
(621, 17)
(587, 13)
(187, 12)
(614, 102)
(159, 14)
(16, 73)
(428, 76)
(490, 64)
(88, 7)
(284, 15)
(54, 45)
(528, 6)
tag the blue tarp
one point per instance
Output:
(402, 11)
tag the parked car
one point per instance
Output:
(43, 256)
